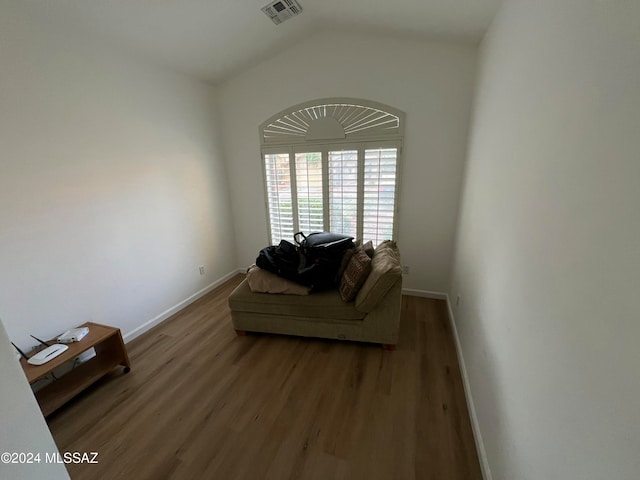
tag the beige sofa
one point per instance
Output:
(374, 316)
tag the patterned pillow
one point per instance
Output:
(355, 275)
(347, 256)
(345, 261)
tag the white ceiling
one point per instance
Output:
(211, 39)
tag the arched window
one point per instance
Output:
(332, 165)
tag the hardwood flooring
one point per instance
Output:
(203, 403)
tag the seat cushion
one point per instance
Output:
(324, 305)
(266, 282)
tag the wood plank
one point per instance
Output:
(57, 393)
(205, 403)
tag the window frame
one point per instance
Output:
(360, 141)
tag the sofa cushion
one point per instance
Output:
(322, 305)
(385, 272)
(355, 274)
(266, 282)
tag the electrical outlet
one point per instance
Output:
(201, 269)
(458, 300)
(405, 269)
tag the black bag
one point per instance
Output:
(283, 260)
(320, 257)
(326, 241)
(314, 263)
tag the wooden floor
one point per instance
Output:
(202, 403)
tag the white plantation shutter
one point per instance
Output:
(309, 192)
(343, 192)
(279, 196)
(332, 165)
(379, 194)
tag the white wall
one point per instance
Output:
(548, 251)
(112, 186)
(431, 82)
(23, 427)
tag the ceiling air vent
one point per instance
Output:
(282, 10)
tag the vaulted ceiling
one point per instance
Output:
(211, 39)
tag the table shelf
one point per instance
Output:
(110, 352)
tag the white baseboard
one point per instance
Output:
(148, 325)
(477, 436)
(424, 293)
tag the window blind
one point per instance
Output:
(379, 194)
(343, 192)
(309, 192)
(353, 192)
(279, 196)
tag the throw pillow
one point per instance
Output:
(355, 275)
(345, 261)
(368, 248)
(386, 271)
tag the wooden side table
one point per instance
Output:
(110, 352)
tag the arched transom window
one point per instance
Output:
(332, 165)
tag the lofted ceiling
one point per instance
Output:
(212, 39)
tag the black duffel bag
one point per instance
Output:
(323, 242)
(320, 257)
(282, 259)
(314, 262)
